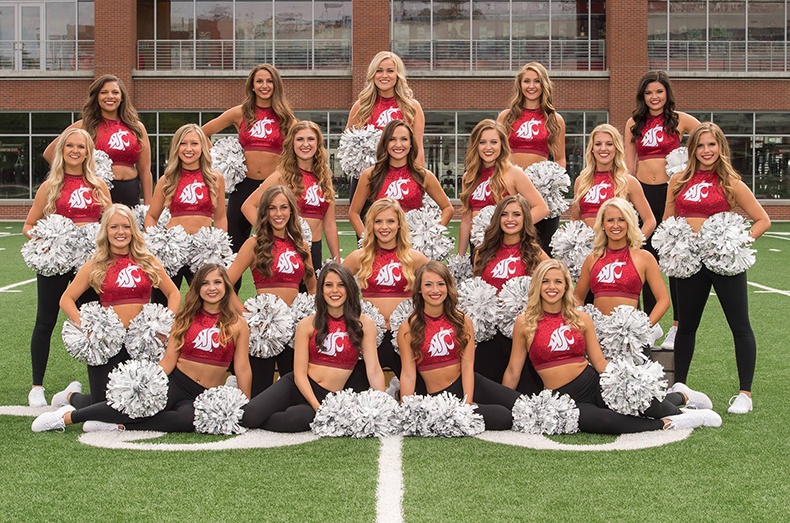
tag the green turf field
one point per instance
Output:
(734, 473)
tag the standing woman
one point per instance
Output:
(397, 175)
(490, 176)
(304, 169)
(710, 185)
(71, 190)
(535, 130)
(123, 273)
(279, 260)
(112, 122)
(654, 131)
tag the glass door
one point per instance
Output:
(21, 36)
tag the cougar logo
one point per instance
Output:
(505, 268)
(207, 339)
(396, 190)
(128, 277)
(288, 262)
(119, 141)
(697, 192)
(193, 193)
(81, 198)
(442, 343)
(611, 272)
(389, 274)
(560, 341)
(482, 192)
(393, 113)
(529, 130)
(314, 196)
(262, 128)
(333, 343)
(597, 193)
(653, 137)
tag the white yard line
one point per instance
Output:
(768, 289)
(776, 236)
(6, 234)
(389, 493)
(8, 288)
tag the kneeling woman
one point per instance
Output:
(438, 341)
(326, 348)
(559, 340)
(206, 337)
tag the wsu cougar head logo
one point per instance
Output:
(396, 190)
(697, 192)
(505, 268)
(128, 277)
(560, 341)
(393, 113)
(81, 198)
(611, 272)
(119, 141)
(207, 339)
(333, 343)
(597, 193)
(314, 196)
(653, 137)
(529, 130)
(482, 191)
(389, 274)
(193, 193)
(288, 262)
(442, 343)
(262, 128)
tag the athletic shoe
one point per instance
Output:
(669, 341)
(100, 426)
(690, 419)
(394, 387)
(36, 398)
(709, 417)
(51, 420)
(740, 404)
(61, 399)
(656, 332)
(696, 400)
(232, 382)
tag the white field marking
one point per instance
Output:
(642, 440)
(347, 233)
(768, 289)
(389, 493)
(775, 250)
(24, 410)
(7, 234)
(777, 235)
(8, 288)
(252, 439)
(2, 248)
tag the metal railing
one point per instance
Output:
(717, 55)
(58, 55)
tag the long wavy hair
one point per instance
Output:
(728, 176)
(633, 234)
(289, 163)
(264, 242)
(280, 104)
(193, 303)
(91, 112)
(494, 236)
(518, 102)
(534, 309)
(474, 164)
(57, 173)
(172, 174)
(352, 308)
(403, 94)
(104, 258)
(380, 169)
(619, 170)
(370, 243)
(449, 310)
(642, 111)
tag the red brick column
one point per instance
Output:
(371, 34)
(115, 32)
(626, 56)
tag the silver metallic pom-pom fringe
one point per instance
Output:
(137, 388)
(84, 244)
(430, 206)
(511, 302)
(357, 149)
(210, 245)
(271, 325)
(219, 411)
(227, 157)
(546, 413)
(480, 223)
(307, 232)
(443, 415)
(366, 414)
(398, 316)
(302, 307)
(172, 246)
(478, 300)
(624, 333)
(99, 337)
(725, 244)
(630, 389)
(552, 182)
(677, 160)
(460, 267)
(427, 235)
(678, 248)
(373, 311)
(571, 244)
(146, 337)
(103, 167)
(139, 211)
(50, 251)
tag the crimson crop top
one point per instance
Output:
(702, 197)
(529, 133)
(482, 195)
(399, 185)
(615, 274)
(287, 267)
(311, 202)
(504, 266)
(386, 279)
(76, 200)
(384, 111)
(655, 141)
(264, 134)
(602, 189)
(119, 142)
(440, 348)
(337, 350)
(202, 343)
(555, 343)
(191, 197)
(125, 282)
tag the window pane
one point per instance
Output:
(50, 122)
(594, 119)
(149, 120)
(491, 34)
(741, 149)
(772, 158)
(574, 122)
(773, 123)
(170, 122)
(574, 155)
(145, 20)
(657, 20)
(14, 123)
(293, 27)
(253, 33)
(440, 159)
(734, 123)
(439, 122)
(14, 167)
(451, 34)
(214, 46)
(411, 33)
(468, 120)
(317, 117)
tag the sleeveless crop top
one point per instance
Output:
(119, 142)
(615, 274)
(288, 267)
(602, 189)
(336, 351)
(202, 344)
(399, 185)
(125, 282)
(504, 266)
(555, 343)
(440, 348)
(191, 197)
(655, 142)
(529, 134)
(384, 111)
(482, 195)
(264, 134)
(311, 202)
(76, 200)
(387, 279)
(702, 197)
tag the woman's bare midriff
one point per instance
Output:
(606, 304)
(652, 171)
(332, 379)
(124, 172)
(559, 376)
(260, 164)
(441, 378)
(524, 160)
(206, 375)
(191, 224)
(287, 294)
(385, 306)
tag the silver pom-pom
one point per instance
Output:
(598, 318)
(460, 267)
(219, 411)
(164, 217)
(137, 388)
(480, 223)
(427, 235)
(103, 167)
(307, 232)
(357, 149)
(146, 337)
(478, 300)
(271, 325)
(171, 246)
(398, 316)
(677, 247)
(302, 307)
(99, 337)
(624, 333)
(443, 415)
(511, 302)
(552, 182)
(373, 311)
(84, 244)
(334, 417)
(370, 413)
(546, 413)
(725, 244)
(629, 389)
(430, 206)
(677, 160)
(140, 211)
(227, 157)
(571, 244)
(210, 245)
(50, 251)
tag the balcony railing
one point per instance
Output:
(717, 55)
(47, 55)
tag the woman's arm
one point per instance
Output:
(36, 211)
(468, 363)
(157, 205)
(418, 126)
(518, 356)
(576, 212)
(169, 360)
(232, 116)
(168, 288)
(353, 116)
(465, 232)
(309, 281)
(594, 353)
(630, 147)
(352, 261)
(746, 201)
(370, 354)
(437, 194)
(408, 373)
(583, 285)
(686, 124)
(250, 206)
(241, 357)
(301, 360)
(243, 260)
(558, 151)
(525, 187)
(220, 214)
(358, 202)
(655, 280)
(144, 166)
(637, 197)
(330, 232)
(78, 286)
(669, 206)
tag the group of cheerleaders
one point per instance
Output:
(288, 176)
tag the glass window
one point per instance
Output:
(574, 122)
(14, 123)
(772, 123)
(337, 121)
(170, 122)
(45, 123)
(734, 123)
(468, 120)
(772, 167)
(14, 167)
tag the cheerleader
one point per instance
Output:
(71, 190)
(708, 186)
(207, 336)
(327, 346)
(112, 122)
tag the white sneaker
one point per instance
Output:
(696, 399)
(669, 341)
(232, 382)
(36, 398)
(394, 387)
(740, 404)
(101, 426)
(690, 419)
(51, 420)
(709, 417)
(656, 332)
(61, 399)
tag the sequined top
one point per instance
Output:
(264, 134)
(384, 111)
(701, 197)
(288, 267)
(602, 189)
(76, 200)
(504, 266)
(202, 343)
(615, 274)
(387, 279)
(441, 347)
(125, 282)
(311, 202)
(655, 141)
(529, 133)
(119, 142)
(336, 351)
(555, 343)
(482, 195)
(191, 197)
(399, 185)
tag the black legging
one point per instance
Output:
(656, 196)
(177, 416)
(316, 254)
(282, 408)
(546, 229)
(126, 192)
(263, 369)
(98, 377)
(388, 359)
(157, 296)
(733, 297)
(238, 226)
